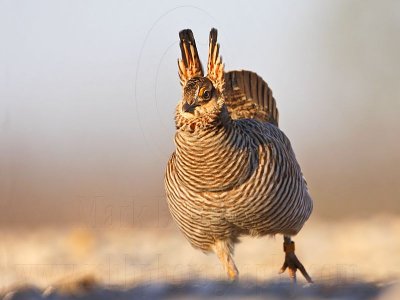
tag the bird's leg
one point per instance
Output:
(292, 262)
(223, 249)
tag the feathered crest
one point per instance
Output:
(190, 65)
(215, 67)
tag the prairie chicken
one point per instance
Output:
(233, 171)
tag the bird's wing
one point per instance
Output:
(247, 95)
(190, 65)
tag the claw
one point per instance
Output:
(292, 263)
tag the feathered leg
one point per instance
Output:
(223, 249)
(292, 262)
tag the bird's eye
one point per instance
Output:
(206, 95)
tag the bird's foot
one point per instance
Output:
(292, 263)
(233, 274)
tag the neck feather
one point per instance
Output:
(215, 157)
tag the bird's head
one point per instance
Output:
(203, 96)
(200, 98)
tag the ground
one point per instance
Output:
(357, 259)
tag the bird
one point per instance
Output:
(233, 172)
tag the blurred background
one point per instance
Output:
(88, 91)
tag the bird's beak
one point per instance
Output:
(186, 107)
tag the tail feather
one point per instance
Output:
(248, 96)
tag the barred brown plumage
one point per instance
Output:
(233, 171)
